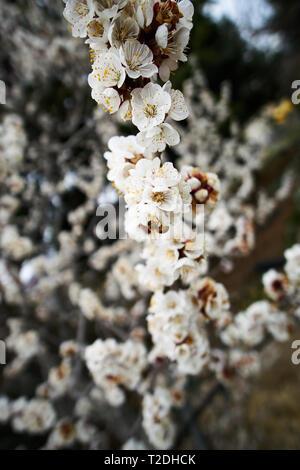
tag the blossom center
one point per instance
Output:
(81, 9)
(158, 197)
(150, 110)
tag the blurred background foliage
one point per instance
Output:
(259, 66)
(257, 75)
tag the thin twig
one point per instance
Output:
(190, 417)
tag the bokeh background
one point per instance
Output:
(254, 46)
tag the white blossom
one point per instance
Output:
(157, 138)
(157, 421)
(276, 285)
(137, 59)
(114, 364)
(178, 110)
(149, 106)
(187, 9)
(211, 298)
(292, 267)
(107, 71)
(108, 8)
(122, 30)
(79, 13)
(109, 98)
(172, 44)
(97, 31)
(37, 416)
(124, 153)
